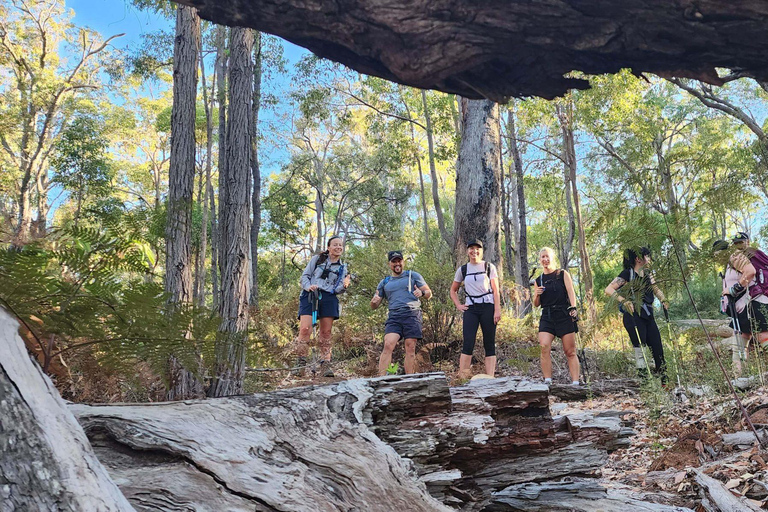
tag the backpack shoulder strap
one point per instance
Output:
(487, 269)
(464, 271)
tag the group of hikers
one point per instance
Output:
(634, 289)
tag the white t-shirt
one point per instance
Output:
(477, 282)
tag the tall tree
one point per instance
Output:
(449, 240)
(181, 182)
(222, 57)
(517, 211)
(255, 172)
(45, 88)
(478, 178)
(565, 116)
(234, 221)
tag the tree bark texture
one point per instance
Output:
(181, 184)
(46, 461)
(518, 48)
(181, 172)
(200, 271)
(234, 221)
(221, 99)
(315, 448)
(256, 173)
(519, 222)
(478, 179)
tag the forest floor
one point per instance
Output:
(678, 430)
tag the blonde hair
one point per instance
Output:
(552, 256)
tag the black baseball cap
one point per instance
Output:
(393, 255)
(476, 242)
(741, 237)
(719, 245)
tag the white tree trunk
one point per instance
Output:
(46, 461)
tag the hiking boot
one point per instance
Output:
(325, 369)
(298, 369)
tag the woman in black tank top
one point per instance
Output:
(553, 291)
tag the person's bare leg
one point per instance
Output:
(545, 342)
(305, 331)
(465, 361)
(390, 342)
(410, 355)
(324, 338)
(569, 347)
(490, 365)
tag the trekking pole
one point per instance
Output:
(675, 359)
(582, 356)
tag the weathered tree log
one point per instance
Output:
(496, 50)
(566, 392)
(719, 499)
(575, 495)
(46, 462)
(315, 448)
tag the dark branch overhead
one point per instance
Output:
(502, 48)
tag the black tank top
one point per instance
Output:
(554, 293)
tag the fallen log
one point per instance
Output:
(46, 462)
(575, 495)
(568, 393)
(716, 498)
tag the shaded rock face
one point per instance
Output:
(496, 50)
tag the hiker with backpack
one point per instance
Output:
(745, 288)
(554, 292)
(323, 279)
(636, 304)
(481, 308)
(404, 290)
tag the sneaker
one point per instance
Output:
(299, 367)
(325, 369)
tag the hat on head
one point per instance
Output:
(476, 242)
(393, 255)
(741, 237)
(719, 245)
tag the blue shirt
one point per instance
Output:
(399, 291)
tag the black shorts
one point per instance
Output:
(407, 324)
(557, 322)
(328, 305)
(754, 321)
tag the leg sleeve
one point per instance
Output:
(471, 323)
(489, 330)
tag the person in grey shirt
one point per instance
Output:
(326, 277)
(404, 291)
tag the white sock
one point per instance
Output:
(575, 383)
(548, 380)
(639, 359)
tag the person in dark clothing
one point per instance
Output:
(636, 303)
(553, 291)
(482, 307)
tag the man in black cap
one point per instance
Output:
(403, 291)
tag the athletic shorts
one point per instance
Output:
(759, 320)
(557, 322)
(406, 324)
(328, 305)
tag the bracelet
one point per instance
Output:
(571, 308)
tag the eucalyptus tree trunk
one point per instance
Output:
(235, 222)
(565, 115)
(566, 246)
(478, 176)
(517, 198)
(200, 272)
(256, 176)
(181, 182)
(433, 174)
(221, 99)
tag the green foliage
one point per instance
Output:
(86, 291)
(393, 369)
